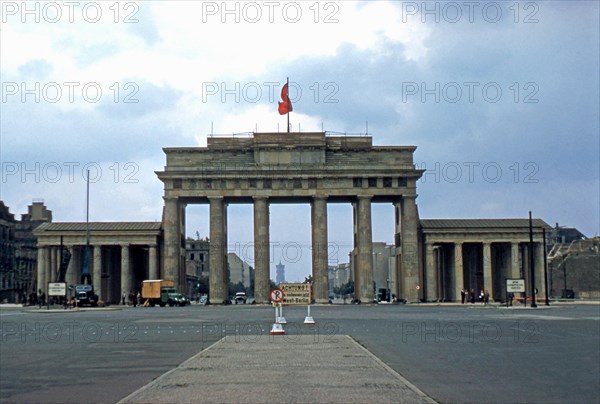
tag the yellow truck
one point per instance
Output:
(162, 292)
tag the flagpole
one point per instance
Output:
(287, 82)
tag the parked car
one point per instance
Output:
(240, 297)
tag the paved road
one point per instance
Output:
(453, 354)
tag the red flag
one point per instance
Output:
(286, 105)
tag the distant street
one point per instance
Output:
(467, 353)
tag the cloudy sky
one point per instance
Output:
(501, 99)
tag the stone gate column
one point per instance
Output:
(459, 278)
(514, 260)
(261, 250)
(172, 240)
(226, 275)
(432, 276)
(125, 270)
(72, 277)
(539, 270)
(364, 258)
(41, 269)
(319, 249)
(488, 281)
(152, 262)
(97, 271)
(218, 290)
(48, 274)
(410, 251)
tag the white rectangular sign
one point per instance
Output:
(296, 293)
(57, 289)
(515, 285)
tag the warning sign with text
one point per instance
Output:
(296, 293)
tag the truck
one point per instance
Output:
(162, 292)
(85, 296)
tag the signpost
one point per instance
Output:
(277, 296)
(514, 286)
(57, 289)
(296, 293)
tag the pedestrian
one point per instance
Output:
(123, 298)
(486, 297)
(139, 298)
(462, 296)
(131, 297)
(472, 294)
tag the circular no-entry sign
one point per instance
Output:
(277, 295)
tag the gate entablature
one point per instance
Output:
(294, 165)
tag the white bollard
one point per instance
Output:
(308, 319)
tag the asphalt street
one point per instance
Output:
(455, 354)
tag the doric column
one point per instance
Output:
(459, 280)
(514, 260)
(72, 274)
(152, 263)
(319, 249)
(410, 252)
(125, 270)
(432, 276)
(539, 269)
(172, 240)
(218, 265)
(226, 276)
(97, 271)
(48, 275)
(488, 281)
(261, 250)
(364, 258)
(41, 269)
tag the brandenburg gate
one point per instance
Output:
(313, 168)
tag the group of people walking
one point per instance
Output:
(467, 296)
(134, 298)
